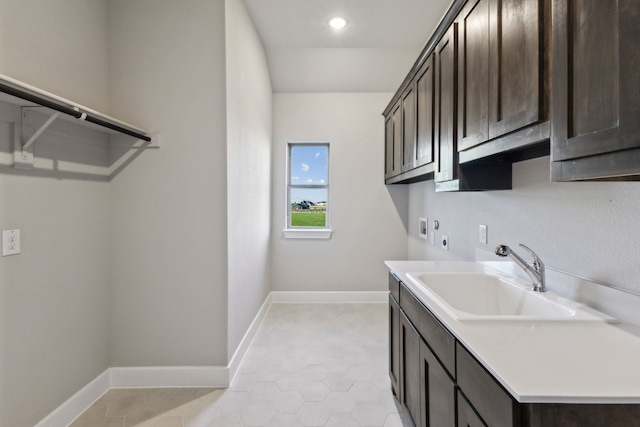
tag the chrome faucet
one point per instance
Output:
(535, 270)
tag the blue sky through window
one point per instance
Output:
(309, 166)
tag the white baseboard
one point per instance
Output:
(330, 297)
(191, 376)
(238, 355)
(78, 403)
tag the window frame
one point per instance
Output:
(306, 232)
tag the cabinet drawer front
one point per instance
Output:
(494, 405)
(441, 342)
(394, 286)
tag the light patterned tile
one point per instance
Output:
(244, 382)
(370, 414)
(340, 402)
(95, 413)
(364, 392)
(285, 420)
(397, 420)
(264, 391)
(142, 415)
(102, 422)
(232, 420)
(342, 420)
(232, 402)
(257, 414)
(338, 382)
(291, 382)
(314, 392)
(309, 365)
(168, 422)
(288, 402)
(121, 407)
(313, 413)
(202, 415)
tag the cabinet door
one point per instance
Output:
(515, 32)
(499, 68)
(410, 370)
(438, 392)
(394, 345)
(425, 103)
(393, 143)
(596, 90)
(446, 75)
(408, 128)
(473, 78)
(467, 417)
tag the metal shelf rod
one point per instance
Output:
(74, 111)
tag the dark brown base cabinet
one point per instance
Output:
(440, 384)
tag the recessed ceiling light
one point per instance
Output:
(337, 22)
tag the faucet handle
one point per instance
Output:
(536, 259)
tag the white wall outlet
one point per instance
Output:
(482, 234)
(422, 227)
(444, 243)
(10, 242)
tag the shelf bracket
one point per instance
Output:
(23, 151)
(35, 136)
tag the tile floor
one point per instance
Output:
(309, 365)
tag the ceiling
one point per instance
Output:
(373, 53)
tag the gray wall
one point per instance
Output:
(54, 296)
(587, 229)
(367, 218)
(249, 114)
(168, 206)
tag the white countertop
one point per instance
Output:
(543, 362)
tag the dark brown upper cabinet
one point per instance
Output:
(409, 151)
(393, 143)
(408, 128)
(449, 174)
(473, 110)
(445, 123)
(596, 90)
(425, 108)
(501, 70)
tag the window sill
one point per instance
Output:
(324, 233)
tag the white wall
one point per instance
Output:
(368, 219)
(589, 229)
(168, 210)
(54, 296)
(59, 46)
(249, 117)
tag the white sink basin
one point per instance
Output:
(479, 296)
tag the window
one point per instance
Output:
(308, 190)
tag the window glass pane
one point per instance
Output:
(309, 165)
(308, 207)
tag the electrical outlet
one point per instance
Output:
(10, 242)
(482, 234)
(444, 243)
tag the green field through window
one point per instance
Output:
(308, 219)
